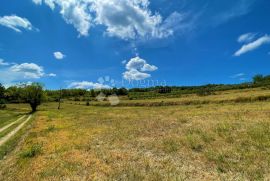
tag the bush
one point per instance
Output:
(164, 90)
(2, 104)
(204, 92)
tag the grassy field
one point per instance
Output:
(11, 114)
(220, 97)
(214, 141)
(8, 116)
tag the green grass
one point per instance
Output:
(6, 131)
(11, 144)
(12, 113)
(33, 151)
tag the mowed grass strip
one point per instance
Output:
(12, 112)
(7, 118)
(12, 127)
(11, 123)
(13, 141)
(207, 142)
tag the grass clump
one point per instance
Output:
(194, 142)
(51, 128)
(170, 145)
(33, 151)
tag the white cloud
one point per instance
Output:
(51, 75)
(88, 85)
(135, 75)
(253, 45)
(16, 23)
(239, 75)
(246, 38)
(29, 70)
(59, 55)
(13, 73)
(125, 19)
(140, 64)
(3, 63)
(76, 13)
(128, 19)
(50, 3)
(136, 69)
(39, 2)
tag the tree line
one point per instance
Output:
(34, 94)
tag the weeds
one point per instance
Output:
(51, 128)
(33, 151)
(170, 145)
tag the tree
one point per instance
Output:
(2, 96)
(92, 93)
(2, 91)
(258, 79)
(164, 90)
(122, 91)
(34, 95)
(205, 91)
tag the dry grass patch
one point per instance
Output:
(207, 142)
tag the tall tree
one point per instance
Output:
(258, 79)
(34, 95)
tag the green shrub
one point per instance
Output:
(2, 104)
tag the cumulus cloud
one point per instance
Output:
(29, 70)
(125, 19)
(59, 55)
(13, 72)
(253, 45)
(128, 19)
(246, 38)
(140, 64)
(135, 75)
(88, 85)
(16, 23)
(136, 68)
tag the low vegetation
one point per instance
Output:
(205, 135)
(207, 142)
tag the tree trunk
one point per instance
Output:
(34, 107)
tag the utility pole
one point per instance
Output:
(60, 96)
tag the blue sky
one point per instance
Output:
(104, 43)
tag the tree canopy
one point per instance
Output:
(34, 95)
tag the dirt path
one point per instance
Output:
(14, 122)
(13, 132)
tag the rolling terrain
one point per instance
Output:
(215, 140)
